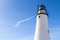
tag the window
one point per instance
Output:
(39, 16)
(48, 31)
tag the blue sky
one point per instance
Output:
(13, 11)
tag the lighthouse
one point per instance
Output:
(41, 31)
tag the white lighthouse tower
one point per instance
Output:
(42, 32)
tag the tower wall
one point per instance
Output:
(41, 32)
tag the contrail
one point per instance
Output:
(22, 21)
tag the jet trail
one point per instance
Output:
(22, 21)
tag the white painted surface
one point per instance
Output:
(42, 11)
(41, 32)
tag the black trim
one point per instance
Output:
(42, 13)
